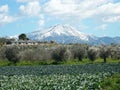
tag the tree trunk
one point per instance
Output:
(104, 59)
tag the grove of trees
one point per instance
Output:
(59, 53)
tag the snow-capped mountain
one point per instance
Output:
(60, 34)
(68, 34)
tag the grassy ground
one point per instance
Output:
(52, 62)
(87, 61)
(4, 62)
(111, 83)
(25, 63)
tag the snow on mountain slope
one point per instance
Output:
(68, 34)
(58, 31)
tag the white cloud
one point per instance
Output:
(102, 27)
(82, 27)
(41, 16)
(57, 7)
(4, 9)
(4, 17)
(110, 12)
(84, 8)
(73, 7)
(41, 23)
(31, 9)
(26, 0)
(111, 19)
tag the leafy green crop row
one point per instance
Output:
(52, 82)
(60, 77)
(59, 69)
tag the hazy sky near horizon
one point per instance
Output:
(97, 17)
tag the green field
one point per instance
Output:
(52, 62)
(57, 77)
(111, 83)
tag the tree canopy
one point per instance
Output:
(23, 37)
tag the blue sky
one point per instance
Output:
(97, 17)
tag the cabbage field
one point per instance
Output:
(56, 77)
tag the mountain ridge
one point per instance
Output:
(67, 34)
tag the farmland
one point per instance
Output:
(56, 77)
(59, 67)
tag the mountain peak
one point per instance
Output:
(61, 31)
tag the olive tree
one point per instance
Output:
(67, 54)
(104, 52)
(115, 51)
(61, 53)
(2, 53)
(27, 54)
(2, 41)
(11, 54)
(92, 54)
(78, 52)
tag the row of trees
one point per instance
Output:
(59, 53)
(6, 40)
